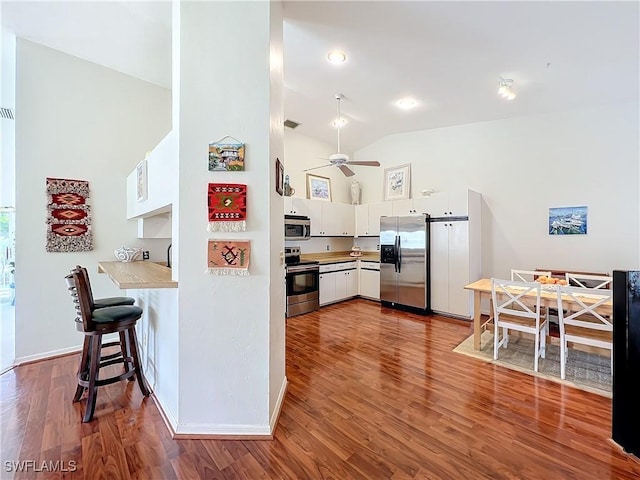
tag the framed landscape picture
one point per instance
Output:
(318, 188)
(226, 156)
(568, 220)
(397, 182)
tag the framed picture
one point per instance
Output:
(568, 220)
(227, 154)
(279, 177)
(397, 182)
(141, 181)
(318, 188)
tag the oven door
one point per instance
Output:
(303, 289)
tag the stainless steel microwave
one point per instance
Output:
(297, 227)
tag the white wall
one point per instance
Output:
(77, 120)
(7, 127)
(231, 328)
(524, 166)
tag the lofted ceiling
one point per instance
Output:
(448, 55)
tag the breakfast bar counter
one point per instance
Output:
(139, 274)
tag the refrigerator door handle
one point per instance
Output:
(398, 254)
(395, 255)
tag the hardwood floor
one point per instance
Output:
(373, 393)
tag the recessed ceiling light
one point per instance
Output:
(336, 56)
(406, 103)
(339, 122)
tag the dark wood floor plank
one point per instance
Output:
(373, 393)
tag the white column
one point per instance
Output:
(231, 328)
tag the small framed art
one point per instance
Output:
(226, 155)
(397, 182)
(279, 177)
(318, 188)
(141, 181)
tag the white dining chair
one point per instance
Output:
(516, 306)
(527, 275)
(588, 281)
(582, 323)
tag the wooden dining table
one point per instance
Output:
(548, 298)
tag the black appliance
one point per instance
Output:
(302, 283)
(626, 360)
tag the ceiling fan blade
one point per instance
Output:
(371, 163)
(321, 166)
(346, 170)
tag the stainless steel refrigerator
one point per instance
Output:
(404, 263)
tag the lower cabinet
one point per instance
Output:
(370, 280)
(338, 281)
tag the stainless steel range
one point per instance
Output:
(303, 283)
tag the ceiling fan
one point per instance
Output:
(341, 160)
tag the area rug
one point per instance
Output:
(587, 371)
(68, 216)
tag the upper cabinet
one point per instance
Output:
(439, 204)
(330, 219)
(368, 218)
(411, 206)
(296, 206)
(152, 186)
(455, 203)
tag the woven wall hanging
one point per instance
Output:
(68, 216)
(228, 257)
(227, 207)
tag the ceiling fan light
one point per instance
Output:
(505, 89)
(339, 122)
(337, 57)
(406, 103)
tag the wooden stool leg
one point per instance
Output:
(83, 368)
(131, 332)
(125, 348)
(94, 368)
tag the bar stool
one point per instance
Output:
(94, 323)
(103, 302)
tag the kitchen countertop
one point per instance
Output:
(337, 257)
(139, 274)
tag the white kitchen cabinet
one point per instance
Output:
(412, 206)
(344, 219)
(330, 219)
(327, 288)
(369, 280)
(296, 206)
(338, 281)
(455, 203)
(368, 218)
(455, 257)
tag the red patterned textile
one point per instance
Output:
(227, 207)
(68, 219)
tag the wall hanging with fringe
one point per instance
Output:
(228, 257)
(68, 216)
(227, 207)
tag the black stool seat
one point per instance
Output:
(94, 323)
(104, 302)
(112, 302)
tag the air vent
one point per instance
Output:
(6, 113)
(290, 124)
